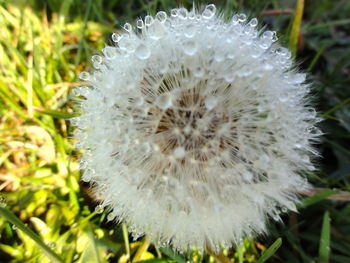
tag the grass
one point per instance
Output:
(44, 45)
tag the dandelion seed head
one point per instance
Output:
(195, 129)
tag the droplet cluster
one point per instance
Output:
(195, 129)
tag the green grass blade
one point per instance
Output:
(324, 248)
(270, 251)
(317, 197)
(142, 249)
(170, 253)
(56, 114)
(294, 34)
(126, 240)
(316, 57)
(19, 224)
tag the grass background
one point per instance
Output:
(44, 45)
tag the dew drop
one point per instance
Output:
(139, 24)
(211, 102)
(190, 31)
(283, 98)
(156, 31)
(2, 202)
(88, 174)
(76, 92)
(276, 217)
(84, 75)
(161, 16)
(14, 227)
(219, 55)
(110, 216)
(267, 66)
(183, 13)
(248, 176)
(127, 27)
(242, 18)
(125, 43)
(299, 78)
(148, 20)
(230, 77)
(261, 109)
(274, 37)
(209, 11)
(164, 101)
(109, 52)
(96, 58)
(191, 15)
(234, 20)
(230, 55)
(268, 34)
(52, 245)
(116, 37)
(174, 12)
(264, 159)
(198, 72)
(99, 209)
(265, 43)
(179, 152)
(74, 121)
(190, 48)
(282, 51)
(86, 178)
(138, 101)
(187, 130)
(253, 22)
(143, 52)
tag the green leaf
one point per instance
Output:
(19, 224)
(170, 253)
(324, 248)
(270, 251)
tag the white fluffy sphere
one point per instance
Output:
(195, 129)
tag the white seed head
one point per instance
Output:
(195, 129)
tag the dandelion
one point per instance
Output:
(195, 129)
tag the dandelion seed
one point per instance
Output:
(196, 129)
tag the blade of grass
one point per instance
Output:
(324, 248)
(170, 253)
(55, 114)
(294, 34)
(270, 251)
(341, 22)
(338, 106)
(317, 197)
(126, 240)
(19, 224)
(316, 57)
(29, 85)
(240, 251)
(82, 43)
(142, 249)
